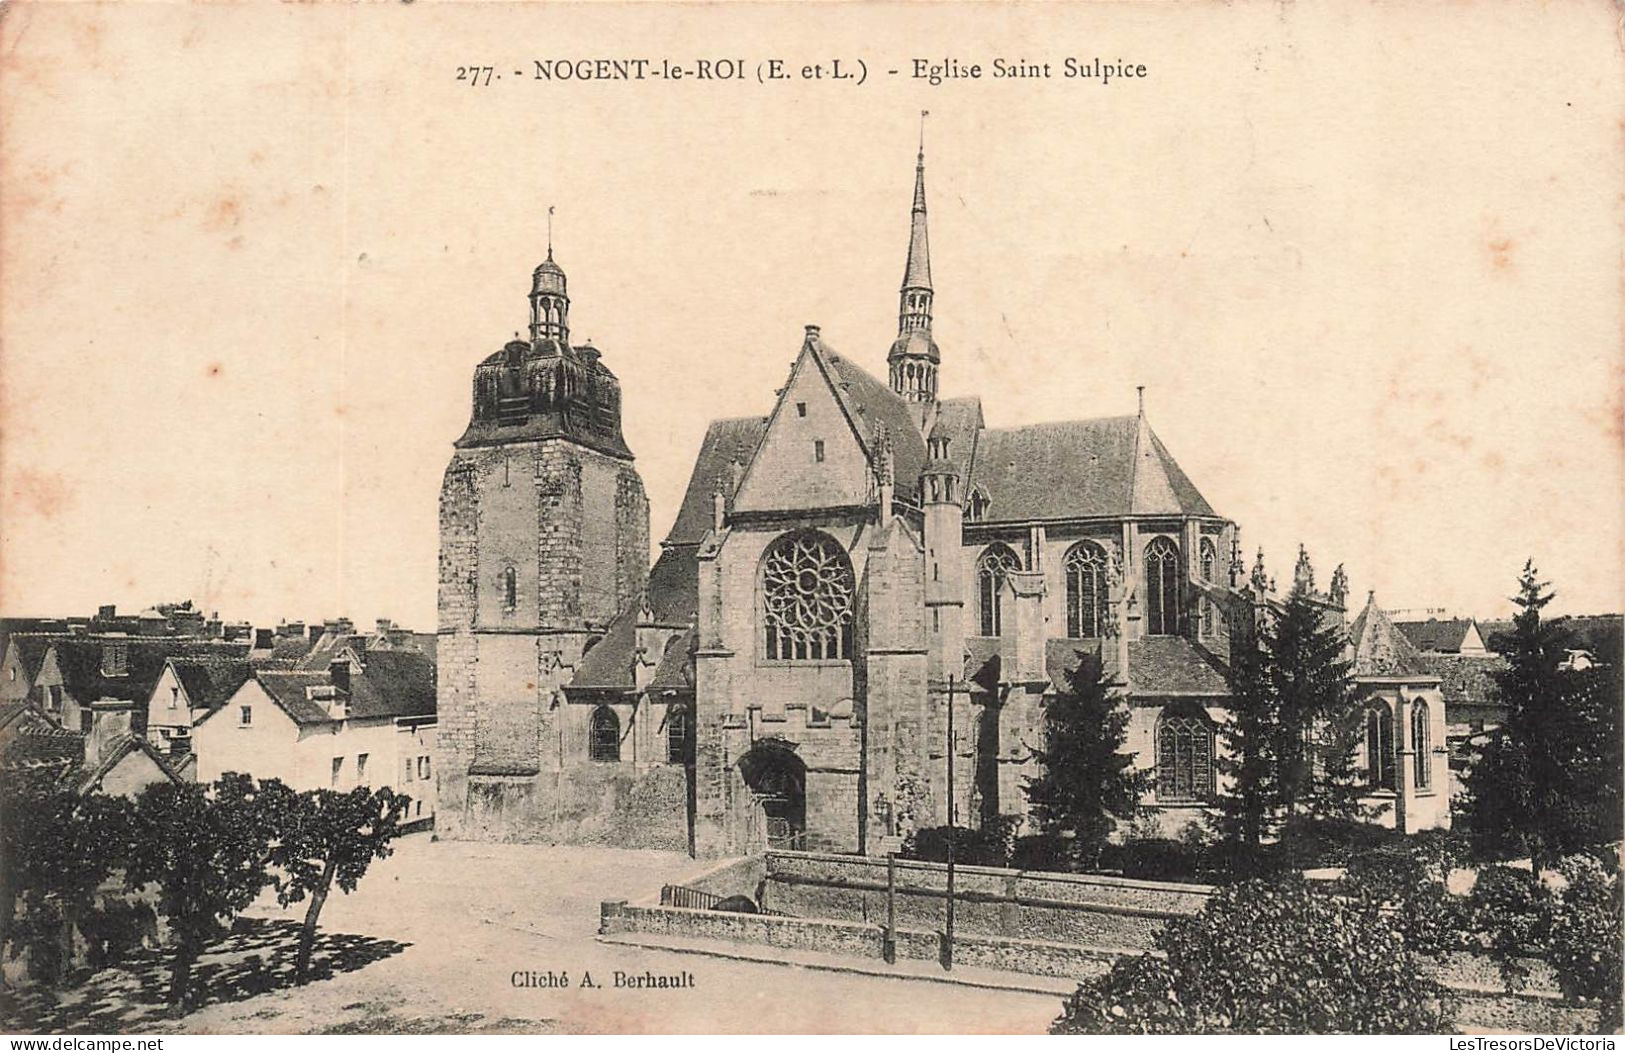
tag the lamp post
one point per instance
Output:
(948, 932)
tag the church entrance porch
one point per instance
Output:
(777, 781)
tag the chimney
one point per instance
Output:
(109, 726)
(339, 670)
(263, 640)
(315, 633)
(384, 626)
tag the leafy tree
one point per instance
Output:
(327, 838)
(1087, 781)
(1585, 925)
(57, 849)
(1549, 784)
(207, 850)
(1271, 957)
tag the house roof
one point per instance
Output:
(209, 682)
(1112, 466)
(390, 684)
(31, 649)
(79, 660)
(1380, 649)
(1436, 634)
(870, 402)
(1466, 679)
(92, 779)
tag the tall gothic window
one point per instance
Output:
(1184, 756)
(807, 588)
(992, 570)
(677, 734)
(1210, 559)
(1419, 743)
(604, 736)
(510, 589)
(1086, 595)
(1379, 747)
(1162, 587)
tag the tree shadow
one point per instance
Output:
(258, 956)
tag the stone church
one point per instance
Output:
(846, 578)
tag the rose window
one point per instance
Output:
(807, 597)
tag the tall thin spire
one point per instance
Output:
(913, 358)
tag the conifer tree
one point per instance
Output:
(1247, 760)
(1317, 726)
(1088, 783)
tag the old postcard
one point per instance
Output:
(863, 518)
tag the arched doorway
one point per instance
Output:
(777, 781)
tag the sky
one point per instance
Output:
(1365, 259)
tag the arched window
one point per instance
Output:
(807, 590)
(1162, 587)
(510, 589)
(1420, 743)
(991, 571)
(976, 507)
(1379, 747)
(604, 737)
(1184, 756)
(1210, 560)
(1086, 595)
(677, 734)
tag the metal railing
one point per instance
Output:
(699, 899)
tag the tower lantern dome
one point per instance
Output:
(549, 304)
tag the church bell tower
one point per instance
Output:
(913, 359)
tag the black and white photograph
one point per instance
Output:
(833, 518)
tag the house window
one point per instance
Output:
(338, 770)
(1379, 747)
(423, 767)
(174, 697)
(361, 768)
(801, 409)
(510, 589)
(245, 716)
(818, 450)
(1086, 596)
(1184, 757)
(991, 572)
(1420, 743)
(1162, 587)
(604, 738)
(807, 588)
(1210, 559)
(677, 729)
(411, 765)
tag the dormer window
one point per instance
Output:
(115, 658)
(976, 507)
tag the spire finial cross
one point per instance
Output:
(1139, 390)
(923, 115)
(549, 231)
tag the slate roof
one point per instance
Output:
(209, 682)
(392, 684)
(674, 585)
(79, 659)
(1466, 679)
(870, 401)
(1172, 665)
(91, 779)
(1112, 466)
(31, 651)
(725, 441)
(1381, 650)
(1436, 634)
(609, 665)
(676, 669)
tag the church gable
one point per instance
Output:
(810, 457)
